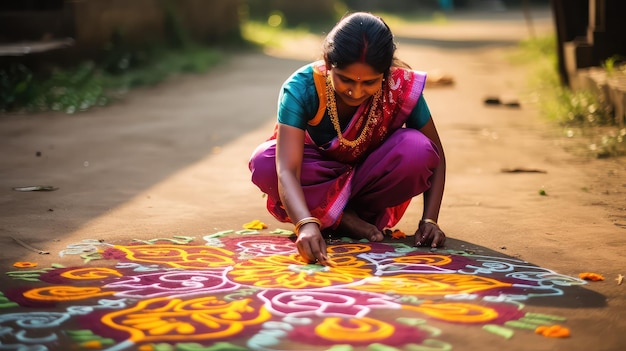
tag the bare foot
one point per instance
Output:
(354, 226)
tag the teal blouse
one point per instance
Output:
(298, 103)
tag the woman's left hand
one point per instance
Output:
(429, 234)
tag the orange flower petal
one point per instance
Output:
(591, 276)
(25, 264)
(398, 234)
(553, 331)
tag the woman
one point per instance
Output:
(354, 143)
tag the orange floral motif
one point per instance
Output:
(167, 319)
(25, 264)
(431, 260)
(288, 272)
(553, 331)
(65, 293)
(456, 312)
(185, 257)
(591, 276)
(91, 273)
(432, 284)
(92, 345)
(348, 249)
(354, 329)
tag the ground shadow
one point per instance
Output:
(105, 157)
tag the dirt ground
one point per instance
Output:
(172, 160)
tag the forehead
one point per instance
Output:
(358, 71)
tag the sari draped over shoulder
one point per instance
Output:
(334, 174)
(401, 91)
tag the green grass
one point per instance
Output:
(580, 113)
(262, 34)
(91, 84)
(274, 31)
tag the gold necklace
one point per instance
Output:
(334, 117)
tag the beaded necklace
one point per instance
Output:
(334, 117)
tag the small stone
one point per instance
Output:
(493, 100)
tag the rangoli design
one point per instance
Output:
(249, 291)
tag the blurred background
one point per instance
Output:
(71, 55)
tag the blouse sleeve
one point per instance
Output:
(298, 100)
(420, 114)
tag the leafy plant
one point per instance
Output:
(92, 84)
(15, 86)
(612, 64)
(121, 67)
(580, 109)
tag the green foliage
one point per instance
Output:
(544, 47)
(582, 113)
(15, 86)
(575, 108)
(90, 84)
(262, 34)
(274, 36)
(69, 90)
(121, 67)
(319, 15)
(175, 31)
(611, 143)
(612, 65)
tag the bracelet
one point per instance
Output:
(304, 221)
(428, 220)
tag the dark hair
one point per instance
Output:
(360, 37)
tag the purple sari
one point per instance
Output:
(376, 179)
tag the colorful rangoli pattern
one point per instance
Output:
(251, 292)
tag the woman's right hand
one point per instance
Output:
(311, 245)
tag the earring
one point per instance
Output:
(350, 92)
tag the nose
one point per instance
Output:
(357, 91)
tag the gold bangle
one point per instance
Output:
(428, 220)
(304, 221)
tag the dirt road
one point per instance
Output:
(172, 161)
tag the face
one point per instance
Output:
(355, 83)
